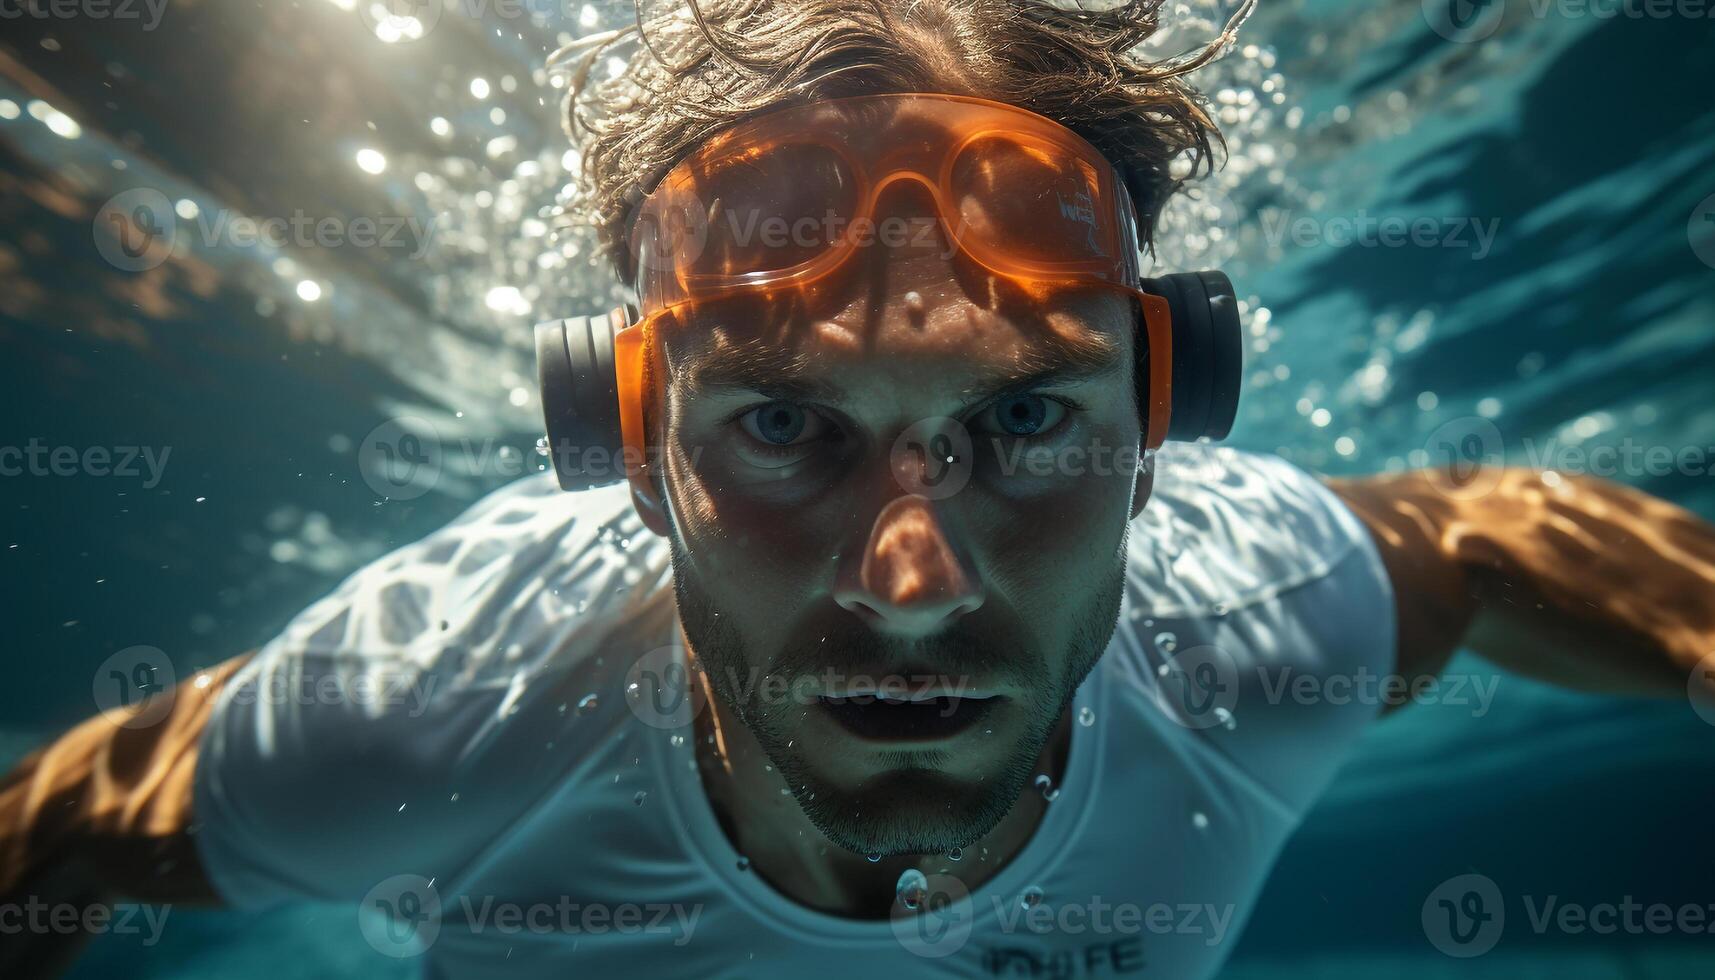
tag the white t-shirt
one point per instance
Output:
(441, 743)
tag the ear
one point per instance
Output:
(650, 507)
(1144, 486)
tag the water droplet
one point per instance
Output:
(1166, 642)
(955, 854)
(634, 690)
(873, 857)
(638, 799)
(912, 888)
(588, 703)
(541, 445)
(1200, 820)
(914, 305)
(1030, 898)
(1086, 717)
(1046, 787)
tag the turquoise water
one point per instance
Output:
(1586, 143)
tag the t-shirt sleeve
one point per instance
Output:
(397, 726)
(1268, 623)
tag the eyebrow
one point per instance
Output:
(781, 374)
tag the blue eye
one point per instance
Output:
(777, 423)
(1023, 416)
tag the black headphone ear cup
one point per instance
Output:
(1208, 354)
(1227, 354)
(580, 399)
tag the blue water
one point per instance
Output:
(1587, 143)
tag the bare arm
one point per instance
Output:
(1575, 580)
(104, 811)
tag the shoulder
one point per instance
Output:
(405, 699)
(1227, 528)
(1259, 614)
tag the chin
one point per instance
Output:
(906, 802)
(909, 811)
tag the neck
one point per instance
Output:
(766, 825)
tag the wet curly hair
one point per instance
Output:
(689, 68)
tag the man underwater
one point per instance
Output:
(899, 621)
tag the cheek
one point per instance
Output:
(753, 562)
(1046, 552)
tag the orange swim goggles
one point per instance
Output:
(782, 201)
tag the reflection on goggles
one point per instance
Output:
(786, 198)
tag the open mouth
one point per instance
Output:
(906, 719)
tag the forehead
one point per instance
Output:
(934, 335)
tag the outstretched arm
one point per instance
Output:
(104, 811)
(1575, 580)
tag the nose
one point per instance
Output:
(911, 580)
